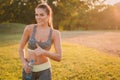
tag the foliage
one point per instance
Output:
(67, 14)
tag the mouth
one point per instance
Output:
(39, 20)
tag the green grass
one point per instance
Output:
(78, 63)
(11, 28)
(81, 63)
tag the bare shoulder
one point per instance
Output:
(56, 33)
(29, 27)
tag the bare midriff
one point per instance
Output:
(38, 59)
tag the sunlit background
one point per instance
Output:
(90, 33)
(112, 2)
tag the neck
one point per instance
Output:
(42, 25)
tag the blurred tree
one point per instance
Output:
(67, 14)
(73, 14)
(21, 11)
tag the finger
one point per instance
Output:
(29, 70)
(37, 45)
(26, 70)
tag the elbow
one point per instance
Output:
(59, 59)
(20, 50)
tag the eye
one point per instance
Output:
(41, 14)
(36, 14)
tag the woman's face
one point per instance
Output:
(41, 16)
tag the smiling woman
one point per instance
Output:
(40, 37)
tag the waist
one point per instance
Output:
(41, 67)
(38, 59)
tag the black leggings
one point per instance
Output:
(41, 75)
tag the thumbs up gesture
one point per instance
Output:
(39, 51)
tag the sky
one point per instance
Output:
(112, 2)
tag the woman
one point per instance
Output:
(40, 37)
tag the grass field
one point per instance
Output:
(78, 62)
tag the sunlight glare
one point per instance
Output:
(111, 2)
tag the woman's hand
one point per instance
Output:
(26, 67)
(39, 51)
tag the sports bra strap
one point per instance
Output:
(50, 35)
(33, 32)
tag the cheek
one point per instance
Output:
(46, 18)
(36, 17)
(43, 18)
(39, 17)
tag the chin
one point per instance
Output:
(39, 23)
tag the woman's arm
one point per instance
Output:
(57, 45)
(24, 40)
(57, 56)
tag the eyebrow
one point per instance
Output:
(39, 14)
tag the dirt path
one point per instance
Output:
(107, 41)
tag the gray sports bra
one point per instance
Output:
(45, 45)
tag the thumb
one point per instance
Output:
(37, 45)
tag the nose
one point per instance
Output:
(38, 17)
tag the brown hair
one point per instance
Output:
(48, 10)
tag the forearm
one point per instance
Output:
(54, 56)
(21, 53)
